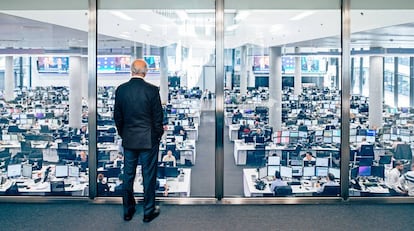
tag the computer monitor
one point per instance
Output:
(248, 139)
(260, 139)
(285, 133)
(321, 171)
(74, 171)
(385, 159)
(365, 160)
(309, 171)
(161, 172)
(327, 133)
(27, 170)
(14, 170)
(378, 171)
(327, 140)
(179, 139)
(336, 139)
(273, 160)
(364, 171)
(336, 172)
(285, 172)
(323, 162)
(367, 150)
(303, 134)
(318, 132)
(263, 172)
(171, 172)
(61, 171)
(271, 169)
(308, 162)
(297, 171)
(296, 162)
(294, 134)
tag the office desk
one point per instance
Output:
(241, 148)
(179, 186)
(188, 151)
(234, 131)
(250, 175)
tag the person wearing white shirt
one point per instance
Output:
(407, 182)
(169, 158)
(393, 179)
(277, 182)
(330, 181)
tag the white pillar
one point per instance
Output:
(163, 75)
(298, 73)
(376, 81)
(9, 79)
(243, 70)
(75, 92)
(275, 88)
(84, 77)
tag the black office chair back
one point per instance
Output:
(281, 191)
(367, 150)
(403, 152)
(331, 190)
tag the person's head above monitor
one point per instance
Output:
(309, 157)
(330, 177)
(277, 175)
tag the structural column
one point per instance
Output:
(75, 92)
(137, 52)
(243, 70)
(396, 81)
(84, 77)
(9, 79)
(376, 81)
(275, 88)
(411, 81)
(298, 73)
(163, 75)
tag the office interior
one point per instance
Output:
(282, 88)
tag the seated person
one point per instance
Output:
(177, 128)
(236, 116)
(244, 128)
(82, 131)
(170, 158)
(258, 133)
(119, 160)
(118, 191)
(277, 182)
(83, 160)
(309, 157)
(392, 179)
(183, 133)
(396, 143)
(103, 187)
(407, 182)
(301, 115)
(330, 181)
(302, 127)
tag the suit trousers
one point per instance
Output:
(149, 161)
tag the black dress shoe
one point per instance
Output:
(128, 216)
(152, 216)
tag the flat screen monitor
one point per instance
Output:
(327, 140)
(273, 160)
(321, 171)
(14, 170)
(271, 169)
(285, 140)
(327, 133)
(161, 172)
(171, 172)
(336, 172)
(336, 139)
(364, 171)
(285, 171)
(323, 162)
(365, 161)
(73, 171)
(319, 139)
(294, 134)
(318, 132)
(303, 134)
(248, 139)
(285, 133)
(371, 132)
(260, 139)
(370, 139)
(27, 170)
(297, 171)
(385, 159)
(378, 171)
(296, 162)
(353, 132)
(61, 171)
(179, 139)
(309, 171)
(263, 172)
(336, 132)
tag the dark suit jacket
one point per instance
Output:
(138, 114)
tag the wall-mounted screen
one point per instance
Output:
(153, 63)
(52, 64)
(261, 63)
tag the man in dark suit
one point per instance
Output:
(138, 117)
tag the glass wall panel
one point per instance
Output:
(282, 98)
(381, 116)
(177, 41)
(43, 72)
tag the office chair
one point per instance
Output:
(404, 153)
(282, 191)
(25, 147)
(36, 160)
(331, 190)
(260, 155)
(57, 188)
(367, 150)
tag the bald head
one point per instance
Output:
(139, 68)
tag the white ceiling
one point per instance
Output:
(65, 29)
